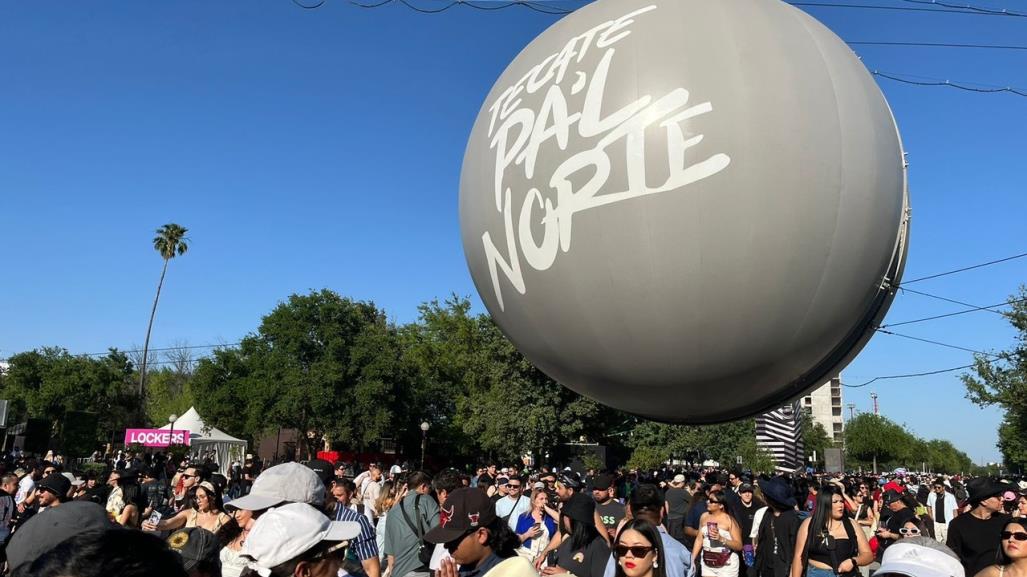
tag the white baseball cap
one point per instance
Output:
(920, 557)
(284, 533)
(285, 483)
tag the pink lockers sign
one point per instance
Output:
(156, 437)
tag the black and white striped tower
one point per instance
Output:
(780, 432)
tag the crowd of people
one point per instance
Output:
(150, 515)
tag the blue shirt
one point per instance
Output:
(677, 558)
(365, 545)
(526, 521)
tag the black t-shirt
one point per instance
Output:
(976, 541)
(590, 562)
(746, 519)
(611, 513)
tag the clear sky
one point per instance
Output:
(309, 149)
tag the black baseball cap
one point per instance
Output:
(890, 496)
(195, 545)
(602, 482)
(323, 469)
(465, 509)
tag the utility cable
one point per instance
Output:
(1002, 12)
(963, 269)
(969, 12)
(948, 300)
(935, 44)
(940, 344)
(911, 375)
(948, 83)
(957, 313)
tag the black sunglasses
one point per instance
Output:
(452, 545)
(636, 551)
(1019, 535)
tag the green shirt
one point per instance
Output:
(400, 539)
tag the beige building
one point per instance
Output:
(825, 404)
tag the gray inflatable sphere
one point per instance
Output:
(690, 210)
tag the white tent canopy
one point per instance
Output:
(204, 439)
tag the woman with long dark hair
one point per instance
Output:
(126, 501)
(583, 551)
(829, 543)
(638, 550)
(1011, 558)
(719, 538)
(205, 510)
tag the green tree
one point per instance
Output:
(169, 243)
(327, 366)
(47, 383)
(814, 438)
(873, 439)
(1002, 380)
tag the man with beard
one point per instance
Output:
(610, 511)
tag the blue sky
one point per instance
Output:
(322, 148)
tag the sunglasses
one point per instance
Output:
(452, 545)
(636, 551)
(513, 486)
(907, 531)
(1018, 535)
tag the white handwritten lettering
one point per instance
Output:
(518, 133)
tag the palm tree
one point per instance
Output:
(169, 242)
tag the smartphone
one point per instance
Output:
(155, 517)
(551, 558)
(712, 530)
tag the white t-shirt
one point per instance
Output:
(757, 518)
(25, 487)
(514, 508)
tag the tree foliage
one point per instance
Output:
(47, 383)
(1002, 380)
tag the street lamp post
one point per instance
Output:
(171, 422)
(424, 440)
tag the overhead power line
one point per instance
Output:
(957, 313)
(991, 11)
(963, 269)
(934, 44)
(944, 10)
(908, 79)
(940, 344)
(420, 7)
(948, 300)
(911, 375)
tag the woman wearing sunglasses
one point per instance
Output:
(829, 542)
(1011, 560)
(718, 541)
(636, 553)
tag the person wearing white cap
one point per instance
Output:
(278, 485)
(920, 557)
(285, 483)
(297, 540)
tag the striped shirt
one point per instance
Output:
(365, 545)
